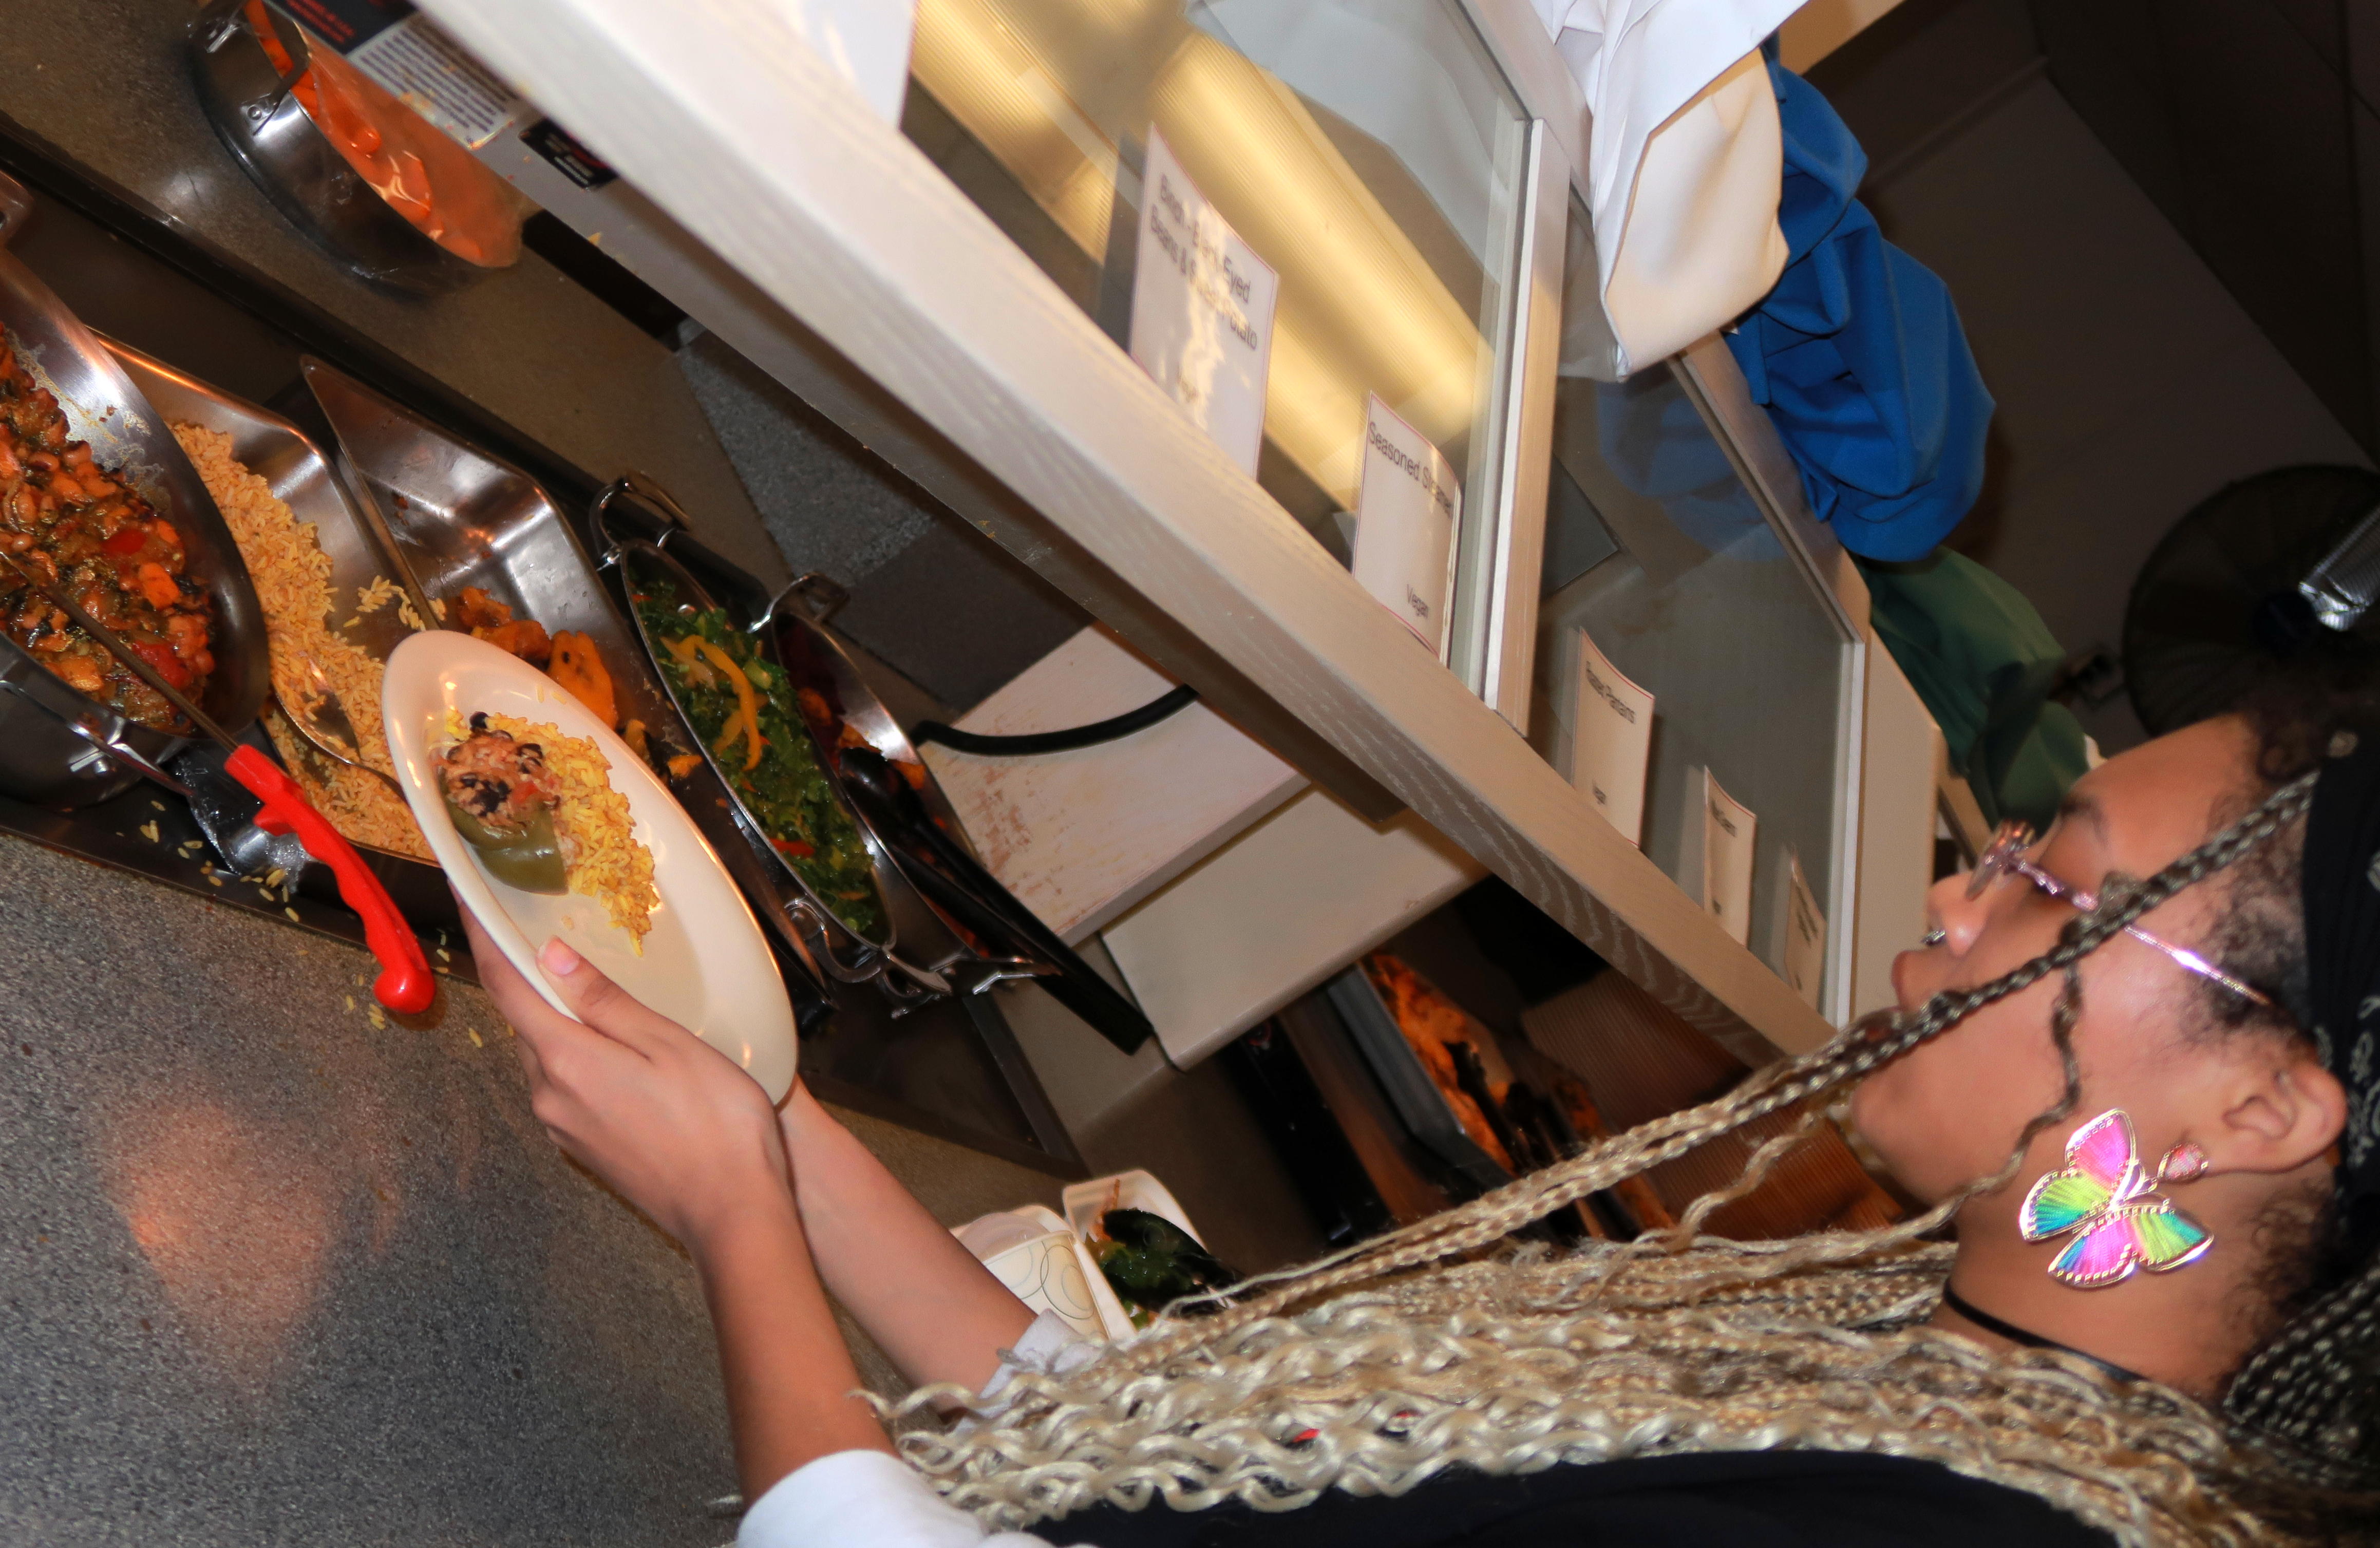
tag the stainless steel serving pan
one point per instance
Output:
(926, 951)
(903, 808)
(45, 758)
(843, 951)
(301, 478)
(452, 516)
(249, 102)
(282, 455)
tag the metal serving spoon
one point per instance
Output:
(329, 730)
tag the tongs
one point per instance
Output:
(286, 816)
(939, 866)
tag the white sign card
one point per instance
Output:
(1202, 305)
(1718, 852)
(865, 40)
(1611, 741)
(1800, 932)
(1408, 507)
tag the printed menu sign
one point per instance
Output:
(1407, 508)
(403, 52)
(1202, 304)
(1717, 853)
(1802, 954)
(1612, 740)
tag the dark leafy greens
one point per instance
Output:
(1151, 1262)
(784, 789)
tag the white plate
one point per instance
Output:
(705, 965)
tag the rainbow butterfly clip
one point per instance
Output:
(2103, 1193)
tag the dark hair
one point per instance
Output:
(2314, 1383)
(2291, 714)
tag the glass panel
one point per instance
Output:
(1367, 151)
(1658, 554)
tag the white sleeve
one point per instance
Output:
(1049, 1345)
(864, 1499)
(872, 1499)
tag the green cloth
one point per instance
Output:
(1983, 660)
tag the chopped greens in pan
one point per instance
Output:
(742, 710)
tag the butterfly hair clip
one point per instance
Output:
(2110, 1200)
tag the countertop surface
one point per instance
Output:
(105, 85)
(274, 1274)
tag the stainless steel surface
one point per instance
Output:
(58, 748)
(42, 759)
(456, 517)
(224, 812)
(2343, 586)
(270, 134)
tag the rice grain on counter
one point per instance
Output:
(292, 585)
(600, 851)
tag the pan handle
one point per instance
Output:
(650, 494)
(820, 595)
(216, 29)
(101, 741)
(16, 208)
(405, 984)
(867, 963)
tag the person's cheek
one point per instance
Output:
(1889, 1111)
(1924, 1114)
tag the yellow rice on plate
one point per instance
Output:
(292, 584)
(599, 852)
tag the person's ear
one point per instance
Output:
(2280, 1110)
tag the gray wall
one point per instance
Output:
(936, 600)
(2131, 383)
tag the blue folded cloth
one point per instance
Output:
(1857, 353)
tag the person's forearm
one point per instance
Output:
(937, 1314)
(788, 1375)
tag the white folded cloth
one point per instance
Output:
(1684, 160)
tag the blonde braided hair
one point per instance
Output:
(1422, 1350)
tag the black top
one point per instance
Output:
(1758, 1499)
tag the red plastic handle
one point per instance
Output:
(405, 983)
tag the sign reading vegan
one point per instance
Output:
(1202, 305)
(1408, 505)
